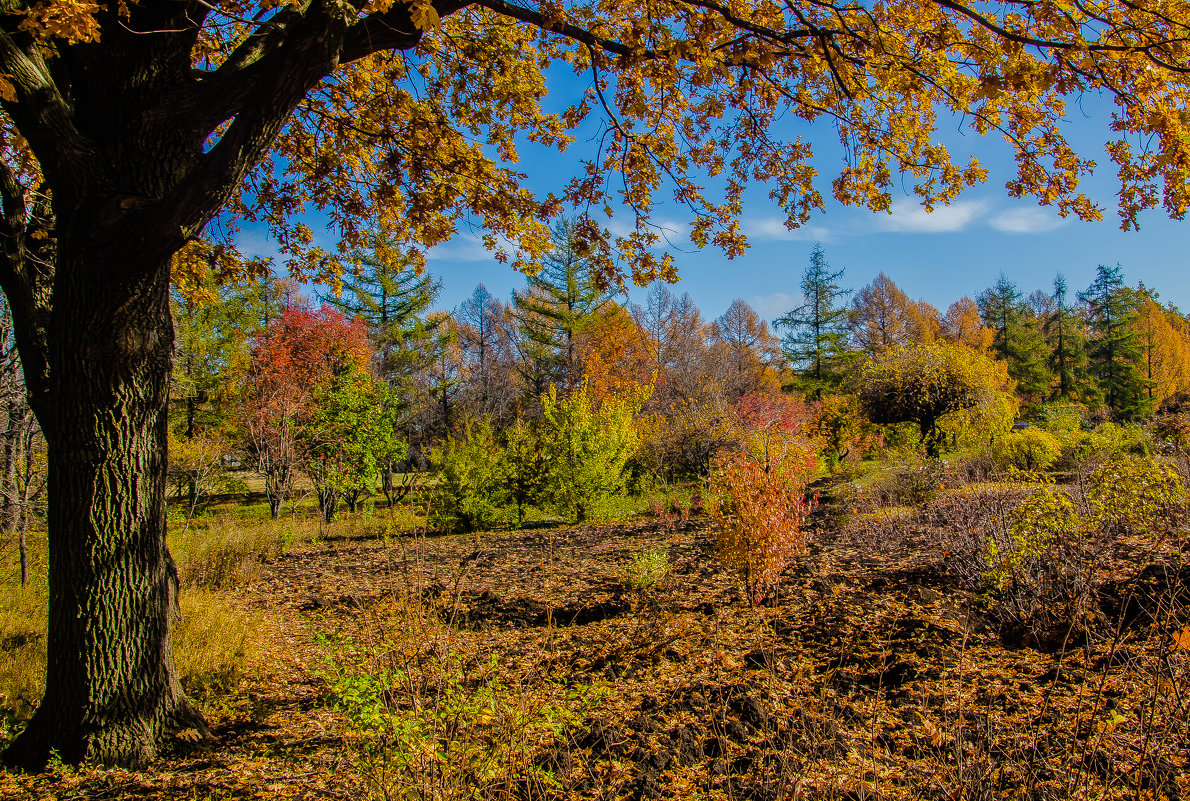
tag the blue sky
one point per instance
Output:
(955, 251)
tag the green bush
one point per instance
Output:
(527, 466)
(1136, 495)
(472, 488)
(646, 569)
(1061, 418)
(1111, 439)
(1045, 518)
(588, 444)
(1030, 449)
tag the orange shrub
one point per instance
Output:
(758, 501)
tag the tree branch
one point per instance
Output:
(42, 114)
(25, 278)
(581, 35)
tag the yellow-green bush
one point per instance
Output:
(1044, 519)
(471, 493)
(1062, 418)
(1136, 495)
(1030, 449)
(646, 569)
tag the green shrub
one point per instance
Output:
(527, 466)
(1061, 418)
(588, 444)
(1111, 439)
(1030, 449)
(472, 488)
(1136, 495)
(1045, 518)
(646, 570)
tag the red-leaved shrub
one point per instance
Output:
(757, 501)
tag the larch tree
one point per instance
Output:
(1114, 349)
(656, 319)
(388, 290)
(1165, 349)
(962, 325)
(489, 352)
(878, 319)
(749, 351)
(126, 127)
(817, 333)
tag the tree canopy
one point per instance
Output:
(922, 383)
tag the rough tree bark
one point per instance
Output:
(111, 684)
(129, 169)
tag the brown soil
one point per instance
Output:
(870, 675)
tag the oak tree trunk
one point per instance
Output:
(112, 688)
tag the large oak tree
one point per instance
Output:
(128, 126)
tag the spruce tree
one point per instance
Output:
(817, 335)
(1068, 356)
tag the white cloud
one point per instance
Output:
(770, 307)
(1026, 220)
(909, 217)
(670, 232)
(774, 228)
(258, 245)
(464, 247)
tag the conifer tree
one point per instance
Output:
(816, 338)
(1018, 339)
(555, 304)
(1114, 349)
(392, 295)
(878, 318)
(211, 334)
(1068, 357)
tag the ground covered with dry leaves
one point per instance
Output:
(519, 664)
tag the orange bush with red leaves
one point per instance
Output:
(757, 501)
